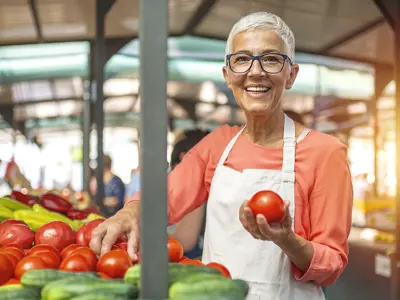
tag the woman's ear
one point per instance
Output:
(226, 76)
(294, 70)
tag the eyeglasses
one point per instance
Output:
(271, 63)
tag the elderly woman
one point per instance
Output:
(308, 249)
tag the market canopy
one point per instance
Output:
(354, 30)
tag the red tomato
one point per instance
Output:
(12, 258)
(175, 250)
(269, 204)
(89, 227)
(43, 247)
(16, 233)
(123, 245)
(184, 257)
(114, 263)
(6, 269)
(75, 263)
(28, 263)
(224, 271)
(13, 222)
(51, 259)
(194, 262)
(18, 246)
(14, 251)
(12, 281)
(104, 276)
(80, 236)
(26, 251)
(56, 233)
(88, 254)
(67, 251)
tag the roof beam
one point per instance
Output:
(198, 16)
(388, 9)
(352, 35)
(37, 24)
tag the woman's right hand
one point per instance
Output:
(124, 223)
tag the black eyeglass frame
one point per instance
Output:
(258, 57)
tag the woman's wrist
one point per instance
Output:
(299, 250)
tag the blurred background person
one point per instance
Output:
(190, 230)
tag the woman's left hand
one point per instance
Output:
(260, 229)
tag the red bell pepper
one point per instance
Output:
(76, 214)
(29, 200)
(55, 203)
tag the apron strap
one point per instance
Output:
(289, 156)
(229, 148)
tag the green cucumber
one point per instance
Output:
(39, 278)
(176, 272)
(71, 287)
(18, 292)
(207, 284)
(100, 296)
(212, 296)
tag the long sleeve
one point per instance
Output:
(330, 204)
(186, 186)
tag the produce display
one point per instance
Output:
(45, 254)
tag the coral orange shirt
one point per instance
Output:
(323, 190)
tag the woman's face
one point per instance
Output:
(267, 98)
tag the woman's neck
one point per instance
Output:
(266, 131)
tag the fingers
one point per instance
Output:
(133, 244)
(248, 221)
(97, 237)
(265, 229)
(113, 232)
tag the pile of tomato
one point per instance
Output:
(56, 246)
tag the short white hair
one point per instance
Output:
(263, 20)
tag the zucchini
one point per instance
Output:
(176, 272)
(39, 278)
(208, 284)
(18, 292)
(71, 287)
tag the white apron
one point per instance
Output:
(261, 263)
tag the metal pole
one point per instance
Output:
(86, 135)
(100, 58)
(153, 34)
(395, 286)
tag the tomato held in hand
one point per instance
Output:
(224, 271)
(6, 269)
(51, 259)
(28, 263)
(114, 263)
(175, 250)
(269, 204)
(75, 263)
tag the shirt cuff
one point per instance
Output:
(316, 271)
